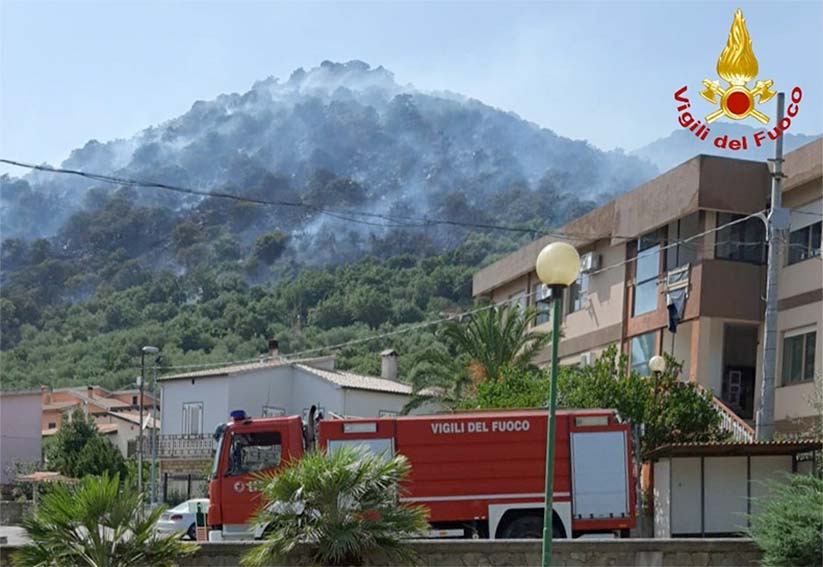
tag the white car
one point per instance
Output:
(182, 518)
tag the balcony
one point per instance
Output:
(177, 446)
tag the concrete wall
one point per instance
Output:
(639, 552)
(20, 434)
(363, 403)
(253, 390)
(213, 392)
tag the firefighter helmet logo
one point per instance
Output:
(737, 65)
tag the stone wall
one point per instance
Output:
(11, 513)
(626, 552)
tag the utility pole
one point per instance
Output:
(776, 224)
(153, 437)
(142, 384)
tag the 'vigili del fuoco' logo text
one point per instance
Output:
(737, 66)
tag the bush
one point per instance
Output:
(789, 527)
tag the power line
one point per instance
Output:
(398, 222)
(458, 316)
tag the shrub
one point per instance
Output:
(789, 527)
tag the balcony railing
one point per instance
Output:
(731, 422)
(177, 446)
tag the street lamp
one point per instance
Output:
(558, 265)
(141, 381)
(657, 364)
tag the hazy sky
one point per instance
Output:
(605, 71)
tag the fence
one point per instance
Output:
(177, 446)
(178, 488)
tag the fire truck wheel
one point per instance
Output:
(530, 526)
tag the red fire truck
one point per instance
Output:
(481, 474)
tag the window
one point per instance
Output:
(798, 356)
(192, 418)
(804, 243)
(273, 411)
(642, 349)
(134, 400)
(741, 242)
(578, 293)
(681, 254)
(646, 271)
(252, 452)
(542, 302)
(52, 425)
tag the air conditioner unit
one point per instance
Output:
(586, 359)
(589, 262)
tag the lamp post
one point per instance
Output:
(558, 265)
(153, 434)
(141, 381)
(657, 365)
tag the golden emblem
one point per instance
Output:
(737, 65)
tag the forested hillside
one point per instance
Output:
(92, 271)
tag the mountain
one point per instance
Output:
(397, 148)
(91, 271)
(682, 145)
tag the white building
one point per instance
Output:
(193, 404)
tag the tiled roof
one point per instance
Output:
(106, 428)
(239, 368)
(82, 395)
(134, 417)
(785, 447)
(227, 370)
(60, 405)
(357, 381)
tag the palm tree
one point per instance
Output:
(342, 505)
(96, 523)
(492, 339)
(497, 338)
(439, 377)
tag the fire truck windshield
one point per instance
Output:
(218, 436)
(252, 452)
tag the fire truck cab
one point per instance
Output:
(481, 474)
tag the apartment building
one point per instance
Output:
(665, 247)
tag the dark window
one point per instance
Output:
(52, 425)
(642, 349)
(741, 242)
(542, 302)
(134, 400)
(646, 272)
(252, 452)
(804, 243)
(682, 253)
(798, 357)
(578, 292)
